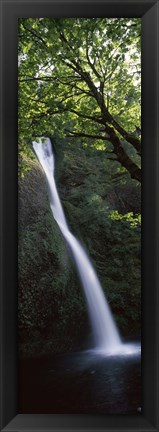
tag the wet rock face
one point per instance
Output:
(51, 301)
(34, 258)
(46, 284)
(32, 196)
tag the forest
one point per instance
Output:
(79, 83)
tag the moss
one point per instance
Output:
(50, 299)
(52, 309)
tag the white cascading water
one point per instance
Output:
(103, 325)
(106, 336)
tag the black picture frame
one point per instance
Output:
(148, 10)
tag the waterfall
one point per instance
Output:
(106, 336)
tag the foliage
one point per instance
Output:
(51, 300)
(133, 220)
(49, 297)
(112, 239)
(79, 84)
(81, 78)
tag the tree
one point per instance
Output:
(80, 78)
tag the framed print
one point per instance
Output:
(79, 269)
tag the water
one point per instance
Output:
(106, 336)
(105, 379)
(81, 383)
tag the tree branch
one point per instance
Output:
(93, 118)
(33, 33)
(85, 135)
(122, 157)
(49, 79)
(118, 150)
(90, 63)
(128, 137)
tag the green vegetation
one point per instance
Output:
(79, 84)
(81, 78)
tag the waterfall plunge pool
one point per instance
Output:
(83, 382)
(124, 349)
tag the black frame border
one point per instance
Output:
(148, 10)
